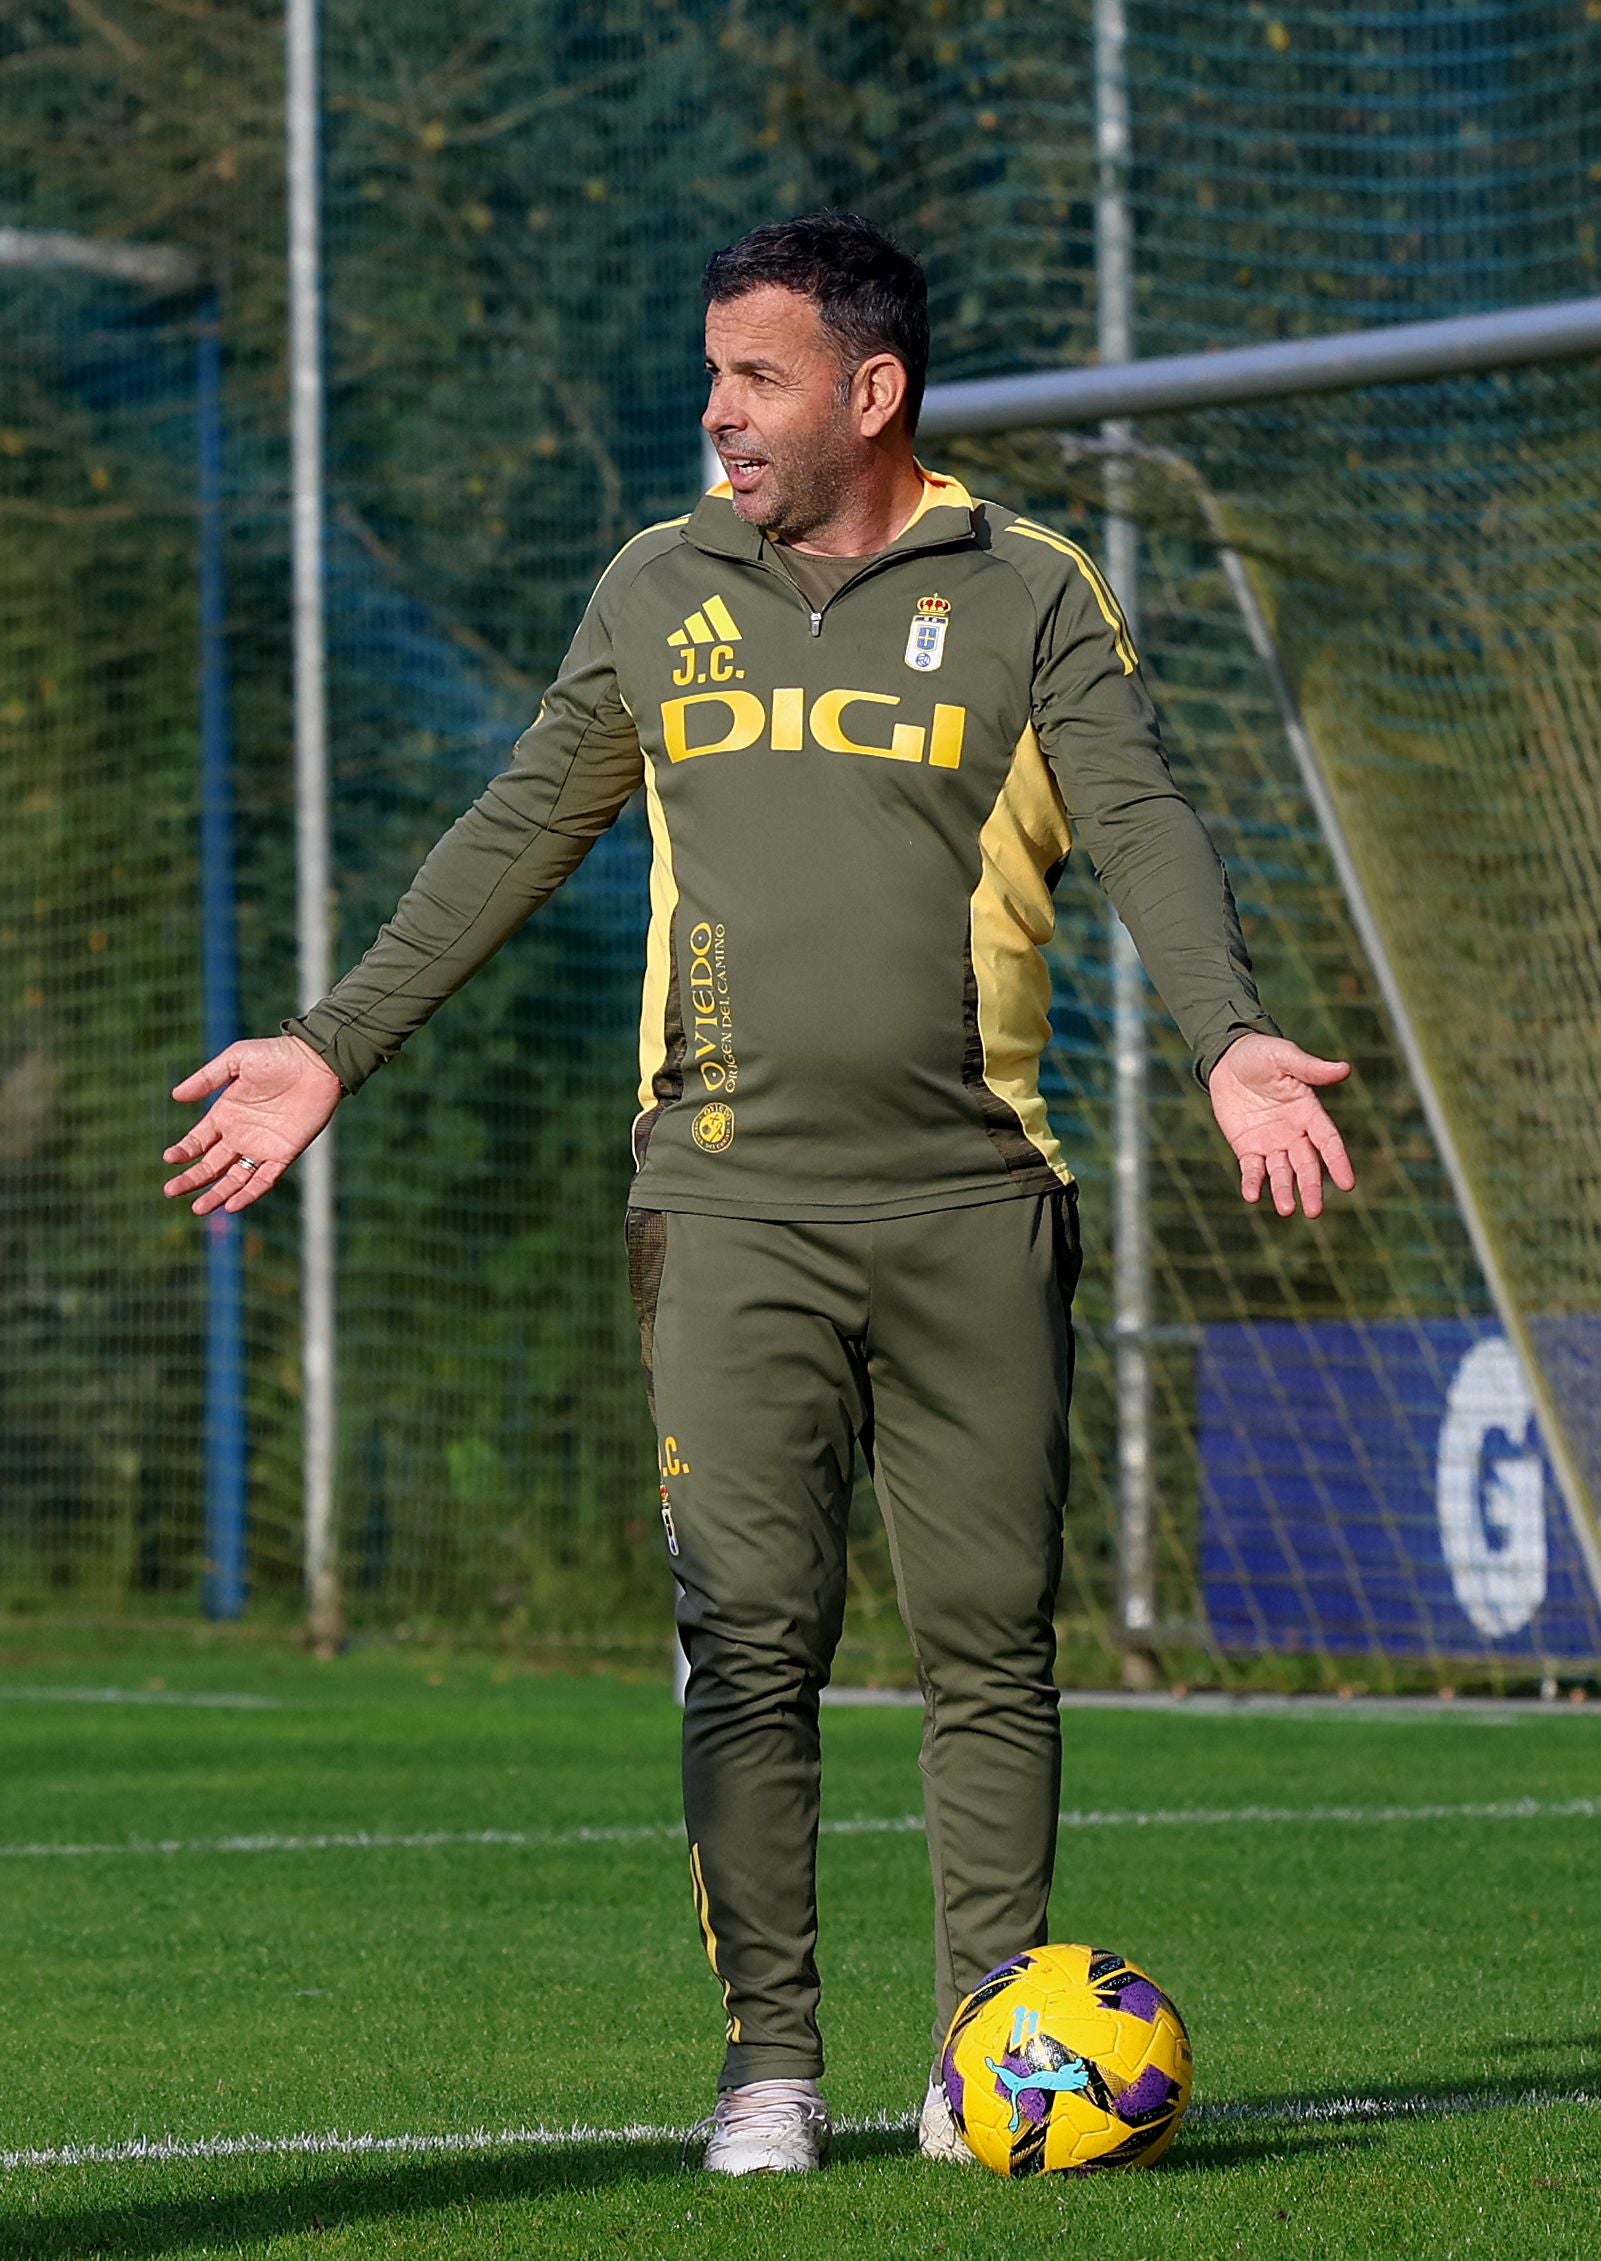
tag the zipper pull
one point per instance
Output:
(817, 624)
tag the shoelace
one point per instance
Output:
(766, 2115)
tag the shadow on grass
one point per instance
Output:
(334, 2196)
(340, 2195)
(343, 2194)
(1586, 2047)
(1332, 2119)
(1227, 2147)
(328, 2195)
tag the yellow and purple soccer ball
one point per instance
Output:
(1066, 2060)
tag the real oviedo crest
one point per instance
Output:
(925, 646)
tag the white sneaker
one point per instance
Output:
(768, 2127)
(938, 2136)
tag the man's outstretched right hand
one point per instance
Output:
(274, 1095)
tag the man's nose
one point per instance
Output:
(721, 413)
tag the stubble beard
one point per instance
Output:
(808, 480)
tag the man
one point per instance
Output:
(869, 714)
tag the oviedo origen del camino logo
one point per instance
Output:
(713, 1127)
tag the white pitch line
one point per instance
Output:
(362, 1841)
(163, 2150)
(1478, 1711)
(1299, 2111)
(1213, 1817)
(193, 1699)
(1304, 2111)
(864, 1825)
(1217, 1703)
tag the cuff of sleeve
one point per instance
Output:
(352, 1061)
(1212, 1047)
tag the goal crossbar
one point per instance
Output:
(1341, 362)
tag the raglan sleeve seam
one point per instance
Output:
(1073, 586)
(1014, 567)
(1233, 1006)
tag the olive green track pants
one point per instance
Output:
(943, 1343)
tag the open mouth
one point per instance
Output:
(743, 471)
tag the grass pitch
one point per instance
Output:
(442, 1904)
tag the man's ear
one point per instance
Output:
(880, 389)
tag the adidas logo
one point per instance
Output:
(713, 624)
(705, 646)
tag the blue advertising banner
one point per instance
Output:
(1381, 1488)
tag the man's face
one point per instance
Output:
(781, 412)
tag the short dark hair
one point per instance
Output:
(870, 293)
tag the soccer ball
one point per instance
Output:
(1066, 2059)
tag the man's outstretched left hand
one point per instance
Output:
(1265, 1099)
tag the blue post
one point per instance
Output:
(225, 1467)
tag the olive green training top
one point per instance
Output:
(858, 814)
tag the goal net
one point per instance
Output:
(1351, 1463)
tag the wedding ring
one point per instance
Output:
(245, 1163)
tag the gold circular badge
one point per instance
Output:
(713, 1128)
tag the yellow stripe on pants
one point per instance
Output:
(703, 1910)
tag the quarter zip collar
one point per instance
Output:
(945, 515)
